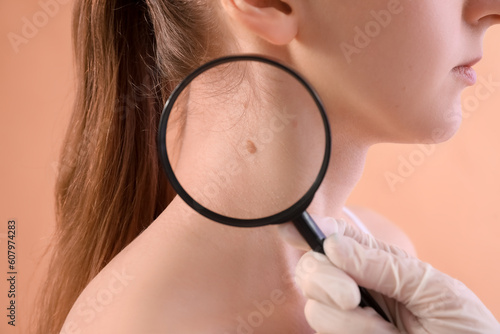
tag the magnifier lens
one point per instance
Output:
(245, 139)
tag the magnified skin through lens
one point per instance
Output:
(245, 146)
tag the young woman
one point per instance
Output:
(130, 256)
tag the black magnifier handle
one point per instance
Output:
(315, 237)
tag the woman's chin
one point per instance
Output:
(441, 135)
(447, 130)
(441, 130)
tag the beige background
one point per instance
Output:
(448, 203)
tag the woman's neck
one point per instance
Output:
(345, 169)
(256, 259)
(239, 272)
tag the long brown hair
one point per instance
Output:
(110, 187)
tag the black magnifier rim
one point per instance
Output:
(281, 217)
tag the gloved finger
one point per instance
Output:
(328, 319)
(405, 279)
(330, 226)
(320, 280)
(362, 238)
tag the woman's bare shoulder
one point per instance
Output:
(146, 288)
(383, 229)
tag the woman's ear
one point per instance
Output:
(272, 20)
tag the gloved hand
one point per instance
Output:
(418, 298)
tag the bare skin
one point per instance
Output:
(186, 274)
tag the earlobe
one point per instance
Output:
(272, 20)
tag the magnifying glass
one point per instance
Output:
(245, 141)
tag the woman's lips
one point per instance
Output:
(466, 73)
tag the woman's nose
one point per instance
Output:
(482, 12)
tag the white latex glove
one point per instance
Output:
(420, 299)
